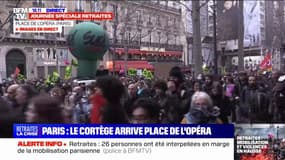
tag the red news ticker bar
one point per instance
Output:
(72, 16)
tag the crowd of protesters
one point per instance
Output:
(231, 98)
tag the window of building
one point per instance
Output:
(158, 20)
(124, 10)
(276, 5)
(48, 53)
(140, 36)
(38, 3)
(59, 3)
(78, 21)
(51, 69)
(174, 20)
(162, 3)
(174, 4)
(96, 7)
(155, 1)
(62, 32)
(54, 54)
(139, 16)
(41, 71)
(149, 19)
(79, 5)
(167, 21)
(167, 38)
(149, 33)
(113, 8)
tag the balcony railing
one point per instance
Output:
(149, 59)
(155, 4)
(137, 45)
(79, 10)
(59, 5)
(38, 4)
(50, 36)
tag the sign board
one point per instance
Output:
(154, 49)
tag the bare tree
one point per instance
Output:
(10, 15)
(280, 39)
(8, 18)
(240, 37)
(128, 25)
(197, 44)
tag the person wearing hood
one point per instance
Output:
(176, 84)
(202, 110)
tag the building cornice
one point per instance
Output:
(155, 6)
(34, 41)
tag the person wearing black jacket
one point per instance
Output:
(181, 90)
(253, 104)
(221, 101)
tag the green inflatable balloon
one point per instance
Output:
(88, 42)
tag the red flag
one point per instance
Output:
(66, 62)
(266, 63)
(17, 71)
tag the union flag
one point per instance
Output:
(17, 71)
(266, 63)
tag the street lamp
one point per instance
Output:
(223, 47)
(126, 51)
(215, 38)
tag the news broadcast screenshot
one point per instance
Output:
(142, 79)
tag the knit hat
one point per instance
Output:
(177, 73)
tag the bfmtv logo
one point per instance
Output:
(27, 131)
(20, 13)
(21, 16)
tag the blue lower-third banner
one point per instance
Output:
(123, 131)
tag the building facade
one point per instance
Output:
(145, 32)
(226, 30)
(35, 54)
